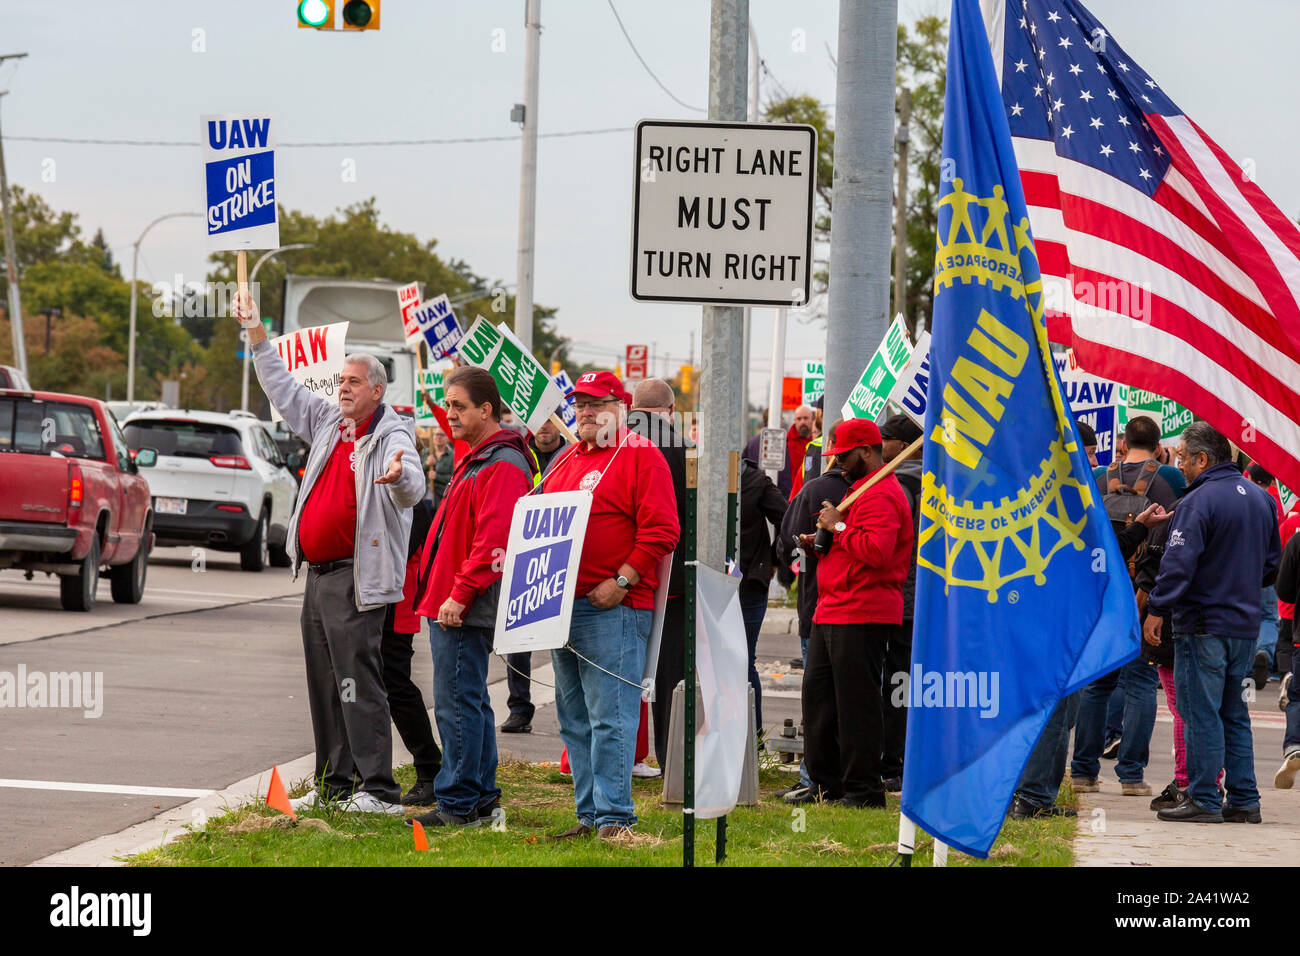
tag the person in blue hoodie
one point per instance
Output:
(1223, 547)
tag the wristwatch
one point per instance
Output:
(840, 526)
(623, 582)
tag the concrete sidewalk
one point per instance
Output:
(1115, 830)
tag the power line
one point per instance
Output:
(638, 55)
(333, 145)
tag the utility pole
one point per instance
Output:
(858, 312)
(900, 211)
(528, 177)
(11, 255)
(747, 345)
(722, 363)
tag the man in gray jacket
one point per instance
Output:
(350, 526)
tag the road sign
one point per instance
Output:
(771, 444)
(637, 363)
(239, 182)
(723, 213)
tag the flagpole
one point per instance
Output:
(906, 841)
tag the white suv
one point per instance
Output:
(220, 481)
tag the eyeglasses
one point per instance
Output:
(579, 406)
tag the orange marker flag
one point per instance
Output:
(421, 841)
(277, 798)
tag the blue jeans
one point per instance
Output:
(1139, 680)
(466, 726)
(1115, 712)
(1041, 780)
(599, 713)
(1292, 739)
(753, 608)
(1208, 676)
(1268, 625)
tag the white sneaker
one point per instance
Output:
(1283, 699)
(308, 801)
(644, 770)
(1284, 779)
(364, 802)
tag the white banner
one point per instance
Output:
(914, 383)
(722, 660)
(314, 357)
(657, 627)
(541, 571)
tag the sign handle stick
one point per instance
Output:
(883, 473)
(562, 428)
(241, 271)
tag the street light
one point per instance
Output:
(135, 260)
(248, 349)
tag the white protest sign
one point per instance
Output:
(314, 357)
(868, 397)
(651, 669)
(723, 213)
(1093, 399)
(914, 383)
(239, 182)
(541, 571)
(437, 324)
(408, 297)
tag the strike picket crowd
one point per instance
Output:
(388, 547)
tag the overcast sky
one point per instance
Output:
(148, 69)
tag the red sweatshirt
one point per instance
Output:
(634, 514)
(475, 519)
(1289, 527)
(860, 580)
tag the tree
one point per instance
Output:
(807, 110)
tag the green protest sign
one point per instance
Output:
(428, 381)
(1287, 496)
(814, 381)
(867, 400)
(524, 385)
(1169, 416)
(1174, 419)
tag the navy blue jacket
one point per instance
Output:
(1223, 548)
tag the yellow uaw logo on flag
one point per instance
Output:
(989, 516)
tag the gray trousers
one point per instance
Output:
(345, 689)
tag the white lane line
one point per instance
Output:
(105, 788)
(148, 590)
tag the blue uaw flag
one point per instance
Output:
(1021, 593)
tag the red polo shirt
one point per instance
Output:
(327, 528)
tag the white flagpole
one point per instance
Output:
(906, 840)
(940, 853)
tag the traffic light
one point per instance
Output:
(316, 14)
(686, 379)
(361, 15)
(555, 367)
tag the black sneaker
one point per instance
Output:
(1022, 809)
(420, 795)
(813, 794)
(516, 724)
(893, 784)
(1260, 670)
(1189, 811)
(1236, 815)
(438, 817)
(1111, 750)
(1170, 796)
(860, 801)
(485, 810)
(789, 790)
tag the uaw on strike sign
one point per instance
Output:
(239, 182)
(541, 571)
(723, 213)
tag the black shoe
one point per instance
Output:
(485, 810)
(1235, 815)
(893, 784)
(813, 794)
(789, 790)
(420, 795)
(861, 801)
(1189, 811)
(516, 724)
(1111, 750)
(438, 817)
(1022, 809)
(1260, 670)
(1171, 796)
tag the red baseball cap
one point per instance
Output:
(852, 434)
(601, 385)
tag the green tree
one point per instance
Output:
(808, 110)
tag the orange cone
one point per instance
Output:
(421, 841)
(277, 798)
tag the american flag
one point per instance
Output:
(1164, 265)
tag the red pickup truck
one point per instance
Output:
(71, 497)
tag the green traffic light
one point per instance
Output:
(314, 13)
(357, 13)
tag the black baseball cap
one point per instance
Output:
(1086, 434)
(900, 428)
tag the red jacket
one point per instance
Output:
(860, 580)
(1289, 527)
(461, 557)
(796, 446)
(634, 514)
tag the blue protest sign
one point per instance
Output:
(439, 326)
(566, 411)
(541, 571)
(239, 182)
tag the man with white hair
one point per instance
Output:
(351, 526)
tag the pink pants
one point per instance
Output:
(1180, 751)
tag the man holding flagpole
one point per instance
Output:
(1021, 592)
